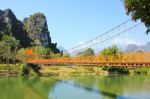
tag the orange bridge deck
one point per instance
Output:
(126, 60)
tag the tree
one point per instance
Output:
(67, 55)
(41, 52)
(21, 55)
(114, 49)
(110, 50)
(8, 48)
(80, 54)
(87, 52)
(57, 55)
(139, 9)
(109, 53)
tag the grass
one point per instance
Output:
(17, 69)
(139, 71)
(71, 70)
(9, 70)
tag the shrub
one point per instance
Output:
(118, 70)
(24, 69)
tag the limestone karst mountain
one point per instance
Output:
(33, 31)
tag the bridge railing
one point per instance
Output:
(125, 57)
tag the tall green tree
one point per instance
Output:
(87, 52)
(41, 52)
(109, 53)
(8, 48)
(139, 9)
(67, 55)
(110, 50)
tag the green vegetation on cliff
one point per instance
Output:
(17, 37)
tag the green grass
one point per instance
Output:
(22, 69)
(9, 70)
(141, 71)
(71, 70)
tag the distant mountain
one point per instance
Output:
(61, 48)
(131, 48)
(147, 48)
(33, 31)
(135, 48)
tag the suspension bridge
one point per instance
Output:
(126, 59)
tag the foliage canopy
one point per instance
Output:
(139, 9)
(9, 46)
(87, 52)
(110, 50)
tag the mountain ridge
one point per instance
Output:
(32, 31)
(135, 48)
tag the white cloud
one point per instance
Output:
(125, 41)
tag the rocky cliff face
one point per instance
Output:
(8, 20)
(10, 25)
(37, 29)
(33, 31)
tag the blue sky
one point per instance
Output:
(72, 22)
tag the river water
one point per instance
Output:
(79, 87)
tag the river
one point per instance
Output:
(79, 87)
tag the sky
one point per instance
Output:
(72, 22)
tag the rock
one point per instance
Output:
(10, 25)
(33, 31)
(37, 29)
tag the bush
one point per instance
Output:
(30, 69)
(24, 69)
(142, 71)
(118, 70)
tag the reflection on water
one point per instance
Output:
(87, 87)
(25, 88)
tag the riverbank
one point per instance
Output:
(140, 71)
(72, 70)
(23, 69)
(9, 70)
